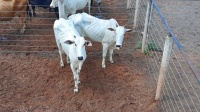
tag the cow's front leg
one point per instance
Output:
(111, 53)
(105, 49)
(75, 74)
(78, 72)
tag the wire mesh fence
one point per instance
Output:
(180, 91)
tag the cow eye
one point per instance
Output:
(75, 44)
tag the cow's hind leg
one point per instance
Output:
(60, 53)
(68, 60)
(23, 17)
(105, 49)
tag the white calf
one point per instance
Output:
(69, 41)
(67, 7)
(108, 32)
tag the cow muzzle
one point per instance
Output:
(80, 58)
(118, 46)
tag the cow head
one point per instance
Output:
(119, 31)
(79, 43)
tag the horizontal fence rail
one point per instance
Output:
(171, 72)
(40, 30)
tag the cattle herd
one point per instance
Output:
(71, 29)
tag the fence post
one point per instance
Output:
(146, 24)
(136, 13)
(164, 65)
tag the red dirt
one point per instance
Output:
(35, 82)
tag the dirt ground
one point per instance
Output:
(183, 18)
(31, 79)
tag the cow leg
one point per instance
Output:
(60, 53)
(105, 49)
(99, 7)
(56, 12)
(23, 17)
(68, 61)
(23, 21)
(61, 9)
(111, 53)
(75, 78)
(33, 7)
(53, 4)
(78, 71)
(89, 4)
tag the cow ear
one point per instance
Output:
(117, 25)
(69, 42)
(88, 43)
(129, 30)
(111, 29)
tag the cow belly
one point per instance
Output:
(95, 33)
(80, 4)
(6, 16)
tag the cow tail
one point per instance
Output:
(29, 10)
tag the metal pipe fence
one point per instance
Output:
(171, 71)
(39, 34)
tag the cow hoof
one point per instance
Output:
(104, 66)
(22, 32)
(34, 14)
(79, 82)
(75, 90)
(62, 66)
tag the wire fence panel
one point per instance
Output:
(181, 90)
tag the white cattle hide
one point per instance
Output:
(73, 45)
(108, 32)
(67, 7)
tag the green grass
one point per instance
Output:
(151, 46)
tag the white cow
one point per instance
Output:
(67, 7)
(69, 41)
(108, 32)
